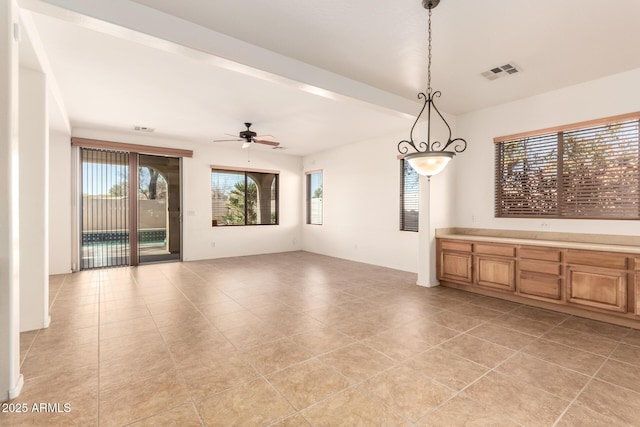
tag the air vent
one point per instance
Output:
(143, 129)
(501, 71)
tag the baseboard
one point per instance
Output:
(15, 391)
(427, 285)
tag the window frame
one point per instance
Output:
(625, 140)
(403, 226)
(246, 172)
(309, 198)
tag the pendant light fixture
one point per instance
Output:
(429, 158)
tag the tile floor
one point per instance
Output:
(299, 339)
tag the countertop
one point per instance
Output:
(548, 243)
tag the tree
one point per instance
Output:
(235, 205)
(118, 190)
(151, 185)
(317, 194)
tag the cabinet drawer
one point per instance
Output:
(597, 287)
(489, 249)
(596, 259)
(456, 246)
(544, 254)
(546, 267)
(540, 285)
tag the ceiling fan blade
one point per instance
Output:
(262, 141)
(230, 134)
(227, 140)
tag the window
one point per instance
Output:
(587, 170)
(314, 197)
(244, 197)
(409, 197)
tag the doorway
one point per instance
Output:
(158, 208)
(130, 208)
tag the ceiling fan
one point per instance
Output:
(250, 137)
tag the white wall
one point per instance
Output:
(199, 237)
(474, 201)
(34, 202)
(60, 235)
(361, 184)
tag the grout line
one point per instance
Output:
(591, 378)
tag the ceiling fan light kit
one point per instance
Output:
(430, 158)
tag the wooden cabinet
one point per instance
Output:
(602, 285)
(596, 287)
(494, 272)
(597, 279)
(455, 261)
(635, 286)
(488, 265)
(637, 293)
(540, 273)
(494, 265)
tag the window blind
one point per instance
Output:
(409, 197)
(588, 171)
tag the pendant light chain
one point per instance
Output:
(429, 66)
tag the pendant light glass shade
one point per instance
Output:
(429, 163)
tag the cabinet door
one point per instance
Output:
(494, 272)
(637, 293)
(455, 266)
(597, 287)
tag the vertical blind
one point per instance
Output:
(409, 197)
(105, 209)
(588, 171)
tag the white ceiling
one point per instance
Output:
(292, 67)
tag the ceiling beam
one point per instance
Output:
(145, 25)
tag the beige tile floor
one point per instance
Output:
(299, 339)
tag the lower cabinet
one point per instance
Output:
(456, 266)
(540, 273)
(597, 284)
(597, 287)
(637, 293)
(494, 272)
(454, 260)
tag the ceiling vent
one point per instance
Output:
(501, 71)
(143, 129)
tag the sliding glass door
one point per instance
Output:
(105, 209)
(130, 208)
(158, 208)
